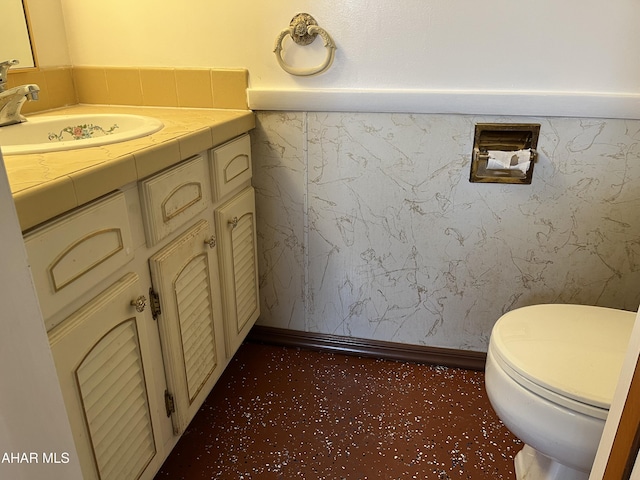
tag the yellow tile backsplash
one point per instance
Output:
(159, 87)
(42, 77)
(225, 91)
(166, 87)
(91, 85)
(194, 88)
(124, 86)
(60, 86)
(163, 87)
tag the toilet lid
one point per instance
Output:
(575, 351)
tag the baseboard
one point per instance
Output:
(362, 347)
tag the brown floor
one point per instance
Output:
(286, 413)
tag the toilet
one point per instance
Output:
(550, 375)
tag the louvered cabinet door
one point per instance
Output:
(103, 364)
(185, 276)
(236, 226)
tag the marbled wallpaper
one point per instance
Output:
(369, 227)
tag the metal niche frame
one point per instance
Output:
(503, 137)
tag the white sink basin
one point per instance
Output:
(69, 132)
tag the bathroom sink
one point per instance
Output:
(69, 132)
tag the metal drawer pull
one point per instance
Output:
(211, 241)
(140, 303)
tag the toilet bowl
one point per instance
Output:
(550, 376)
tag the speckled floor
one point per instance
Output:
(286, 413)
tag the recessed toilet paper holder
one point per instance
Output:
(516, 140)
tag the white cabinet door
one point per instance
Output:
(236, 226)
(102, 358)
(185, 276)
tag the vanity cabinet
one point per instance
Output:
(147, 293)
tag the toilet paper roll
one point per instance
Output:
(509, 160)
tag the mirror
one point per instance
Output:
(14, 34)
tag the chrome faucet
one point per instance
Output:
(4, 70)
(11, 100)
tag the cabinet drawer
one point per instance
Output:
(173, 197)
(73, 254)
(231, 166)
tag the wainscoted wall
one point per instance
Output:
(369, 226)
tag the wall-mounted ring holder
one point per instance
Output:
(303, 30)
(495, 142)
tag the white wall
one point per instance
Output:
(497, 57)
(574, 45)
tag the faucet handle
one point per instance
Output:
(4, 70)
(33, 92)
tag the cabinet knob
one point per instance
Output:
(140, 303)
(233, 222)
(211, 241)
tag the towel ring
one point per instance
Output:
(303, 30)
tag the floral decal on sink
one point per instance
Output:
(79, 132)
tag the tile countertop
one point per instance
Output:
(47, 184)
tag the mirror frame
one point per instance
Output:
(27, 19)
(29, 31)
